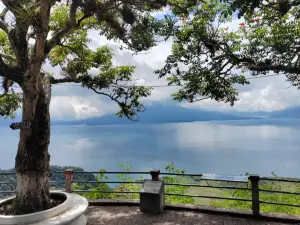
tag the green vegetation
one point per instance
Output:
(202, 191)
(98, 191)
(103, 190)
(177, 189)
(57, 178)
(265, 196)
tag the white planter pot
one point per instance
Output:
(70, 212)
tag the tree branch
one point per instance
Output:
(105, 94)
(13, 73)
(17, 35)
(63, 80)
(200, 99)
(121, 104)
(3, 14)
(3, 26)
(70, 48)
(276, 68)
(71, 24)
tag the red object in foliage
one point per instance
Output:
(55, 54)
(256, 19)
(242, 24)
(226, 28)
(183, 19)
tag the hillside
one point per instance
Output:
(57, 177)
(158, 114)
(293, 112)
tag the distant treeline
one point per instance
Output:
(57, 178)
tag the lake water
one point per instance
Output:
(230, 147)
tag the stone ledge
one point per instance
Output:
(275, 217)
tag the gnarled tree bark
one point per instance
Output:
(32, 160)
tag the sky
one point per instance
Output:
(264, 94)
(73, 102)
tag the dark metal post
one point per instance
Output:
(255, 193)
(69, 177)
(155, 174)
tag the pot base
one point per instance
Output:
(70, 212)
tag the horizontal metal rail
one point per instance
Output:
(14, 173)
(279, 203)
(6, 192)
(183, 174)
(7, 173)
(208, 186)
(98, 172)
(167, 184)
(107, 182)
(290, 180)
(182, 195)
(52, 182)
(280, 192)
(7, 183)
(212, 197)
(228, 181)
(106, 192)
(146, 173)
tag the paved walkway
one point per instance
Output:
(124, 215)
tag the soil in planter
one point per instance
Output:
(8, 209)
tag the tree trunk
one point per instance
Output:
(32, 160)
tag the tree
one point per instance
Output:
(196, 64)
(208, 59)
(271, 37)
(35, 32)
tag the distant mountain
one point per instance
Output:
(260, 114)
(293, 112)
(158, 114)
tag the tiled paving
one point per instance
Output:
(131, 215)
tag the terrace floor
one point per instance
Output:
(131, 215)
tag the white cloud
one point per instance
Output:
(263, 94)
(70, 102)
(76, 107)
(266, 94)
(159, 14)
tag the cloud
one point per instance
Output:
(69, 98)
(160, 14)
(77, 107)
(74, 102)
(265, 94)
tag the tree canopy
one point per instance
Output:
(208, 58)
(66, 46)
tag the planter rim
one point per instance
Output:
(64, 212)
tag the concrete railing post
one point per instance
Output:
(155, 175)
(69, 177)
(255, 193)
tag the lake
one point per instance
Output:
(222, 147)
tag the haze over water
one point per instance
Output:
(226, 147)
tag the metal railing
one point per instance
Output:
(252, 186)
